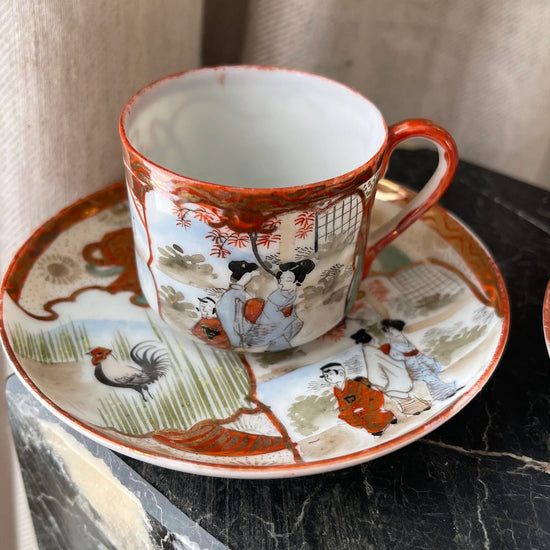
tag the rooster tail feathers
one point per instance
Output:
(152, 360)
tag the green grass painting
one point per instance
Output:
(203, 383)
(69, 343)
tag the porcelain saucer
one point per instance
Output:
(546, 317)
(424, 336)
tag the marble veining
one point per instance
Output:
(527, 461)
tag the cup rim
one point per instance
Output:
(168, 174)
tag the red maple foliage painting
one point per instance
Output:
(223, 239)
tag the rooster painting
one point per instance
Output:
(148, 364)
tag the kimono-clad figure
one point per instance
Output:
(419, 366)
(390, 377)
(231, 306)
(278, 322)
(208, 328)
(359, 405)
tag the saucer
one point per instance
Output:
(546, 317)
(424, 335)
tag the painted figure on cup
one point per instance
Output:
(419, 366)
(209, 329)
(278, 323)
(231, 307)
(359, 404)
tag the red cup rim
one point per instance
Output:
(171, 175)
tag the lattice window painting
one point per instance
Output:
(344, 217)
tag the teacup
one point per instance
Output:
(251, 191)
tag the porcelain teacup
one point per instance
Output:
(251, 191)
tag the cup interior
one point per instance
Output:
(253, 127)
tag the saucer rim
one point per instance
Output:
(113, 193)
(546, 316)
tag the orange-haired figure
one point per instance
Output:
(360, 405)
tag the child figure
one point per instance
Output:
(360, 405)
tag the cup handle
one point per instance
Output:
(432, 190)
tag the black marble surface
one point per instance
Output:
(482, 480)
(69, 514)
